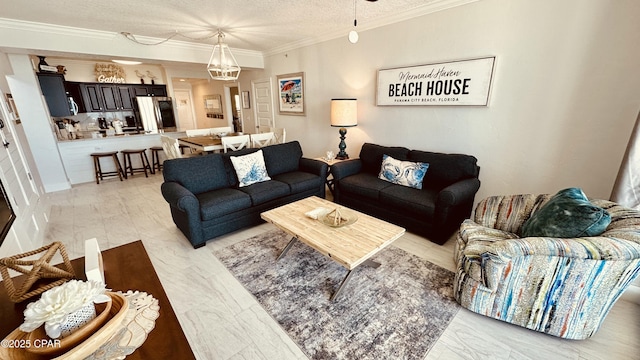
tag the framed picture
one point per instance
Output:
(291, 94)
(245, 100)
(452, 83)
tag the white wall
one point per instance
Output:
(565, 93)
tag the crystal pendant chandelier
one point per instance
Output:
(222, 64)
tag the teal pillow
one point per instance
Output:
(567, 214)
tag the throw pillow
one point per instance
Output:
(405, 173)
(567, 214)
(250, 168)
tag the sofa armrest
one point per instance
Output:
(179, 197)
(458, 193)
(342, 169)
(314, 166)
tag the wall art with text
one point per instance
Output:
(462, 82)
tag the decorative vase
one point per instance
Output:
(77, 319)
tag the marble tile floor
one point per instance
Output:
(223, 321)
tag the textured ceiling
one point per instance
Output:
(260, 25)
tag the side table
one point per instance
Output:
(329, 180)
(126, 267)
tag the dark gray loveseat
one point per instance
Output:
(205, 199)
(435, 211)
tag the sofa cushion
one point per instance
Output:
(371, 156)
(363, 184)
(445, 169)
(568, 214)
(405, 173)
(410, 200)
(250, 168)
(221, 202)
(265, 191)
(282, 158)
(300, 181)
(197, 174)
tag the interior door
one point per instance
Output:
(264, 105)
(186, 120)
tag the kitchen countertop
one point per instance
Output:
(175, 134)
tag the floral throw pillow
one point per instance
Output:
(250, 168)
(405, 173)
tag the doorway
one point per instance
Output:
(185, 110)
(264, 105)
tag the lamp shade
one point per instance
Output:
(344, 112)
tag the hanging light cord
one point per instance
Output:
(131, 37)
(355, 14)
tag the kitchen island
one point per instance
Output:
(76, 154)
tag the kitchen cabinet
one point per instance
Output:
(52, 87)
(101, 97)
(116, 97)
(149, 90)
(93, 99)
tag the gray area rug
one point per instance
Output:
(397, 311)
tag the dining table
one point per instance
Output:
(207, 143)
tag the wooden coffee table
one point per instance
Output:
(350, 245)
(126, 267)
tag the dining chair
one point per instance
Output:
(262, 140)
(171, 148)
(280, 135)
(198, 132)
(235, 143)
(221, 130)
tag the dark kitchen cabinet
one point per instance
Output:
(149, 90)
(116, 97)
(52, 86)
(93, 99)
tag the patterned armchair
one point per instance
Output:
(560, 286)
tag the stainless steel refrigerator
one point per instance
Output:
(156, 114)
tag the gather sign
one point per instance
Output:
(110, 73)
(463, 82)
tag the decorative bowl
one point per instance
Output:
(115, 316)
(63, 344)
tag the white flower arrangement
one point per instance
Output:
(55, 305)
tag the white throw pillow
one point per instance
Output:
(405, 173)
(250, 168)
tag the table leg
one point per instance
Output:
(286, 248)
(368, 263)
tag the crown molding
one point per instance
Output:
(431, 7)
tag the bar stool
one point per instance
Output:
(155, 158)
(100, 175)
(128, 166)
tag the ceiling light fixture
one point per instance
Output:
(222, 64)
(353, 34)
(127, 62)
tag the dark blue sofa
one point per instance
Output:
(205, 199)
(435, 211)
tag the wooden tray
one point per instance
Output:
(39, 336)
(119, 309)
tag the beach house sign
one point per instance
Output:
(463, 82)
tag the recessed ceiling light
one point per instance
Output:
(127, 62)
